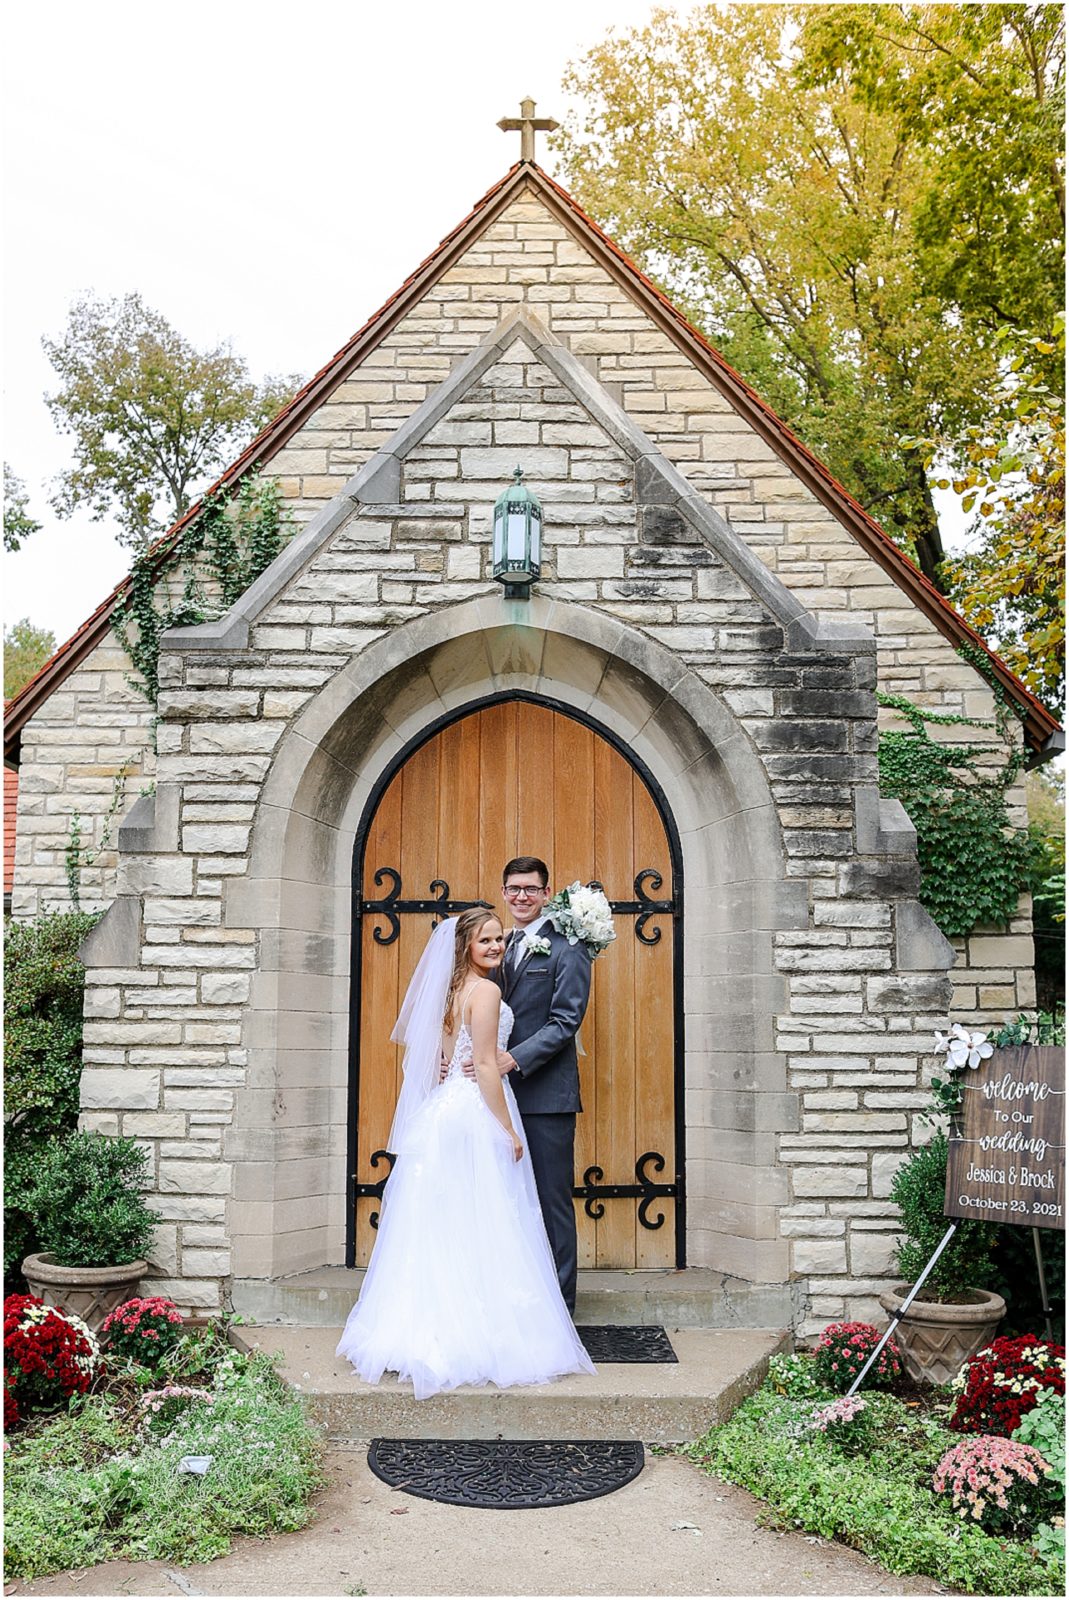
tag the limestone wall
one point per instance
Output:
(85, 753)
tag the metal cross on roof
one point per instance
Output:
(528, 125)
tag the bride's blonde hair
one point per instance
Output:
(468, 924)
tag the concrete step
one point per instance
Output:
(696, 1297)
(717, 1369)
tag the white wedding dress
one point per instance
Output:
(462, 1286)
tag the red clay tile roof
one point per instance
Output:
(1039, 724)
(11, 798)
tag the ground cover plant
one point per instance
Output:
(1044, 1429)
(111, 1475)
(868, 1480)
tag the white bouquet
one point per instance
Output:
(582, 914)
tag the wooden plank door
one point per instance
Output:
(518, 777)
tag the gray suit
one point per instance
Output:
(548, 995)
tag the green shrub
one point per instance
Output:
(87, 1201)
(92, 1486)
(23, 1152)
(881, 1503)
(43, 987)
(918, 1190)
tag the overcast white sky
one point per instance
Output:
(261, 173)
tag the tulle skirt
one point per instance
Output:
(462, 1286)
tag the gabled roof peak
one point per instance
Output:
(528, 176)
(378, 484)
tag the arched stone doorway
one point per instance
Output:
(290, 1140)
(515, 774)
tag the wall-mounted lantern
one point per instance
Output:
(517, 539)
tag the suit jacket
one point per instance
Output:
(548, 996)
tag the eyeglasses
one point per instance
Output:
(523, 890)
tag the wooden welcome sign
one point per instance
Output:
(1007, 1154)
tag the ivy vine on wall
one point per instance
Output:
(76, 855)
(974, 862)
(233, 538)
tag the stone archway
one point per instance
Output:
(288, 1140)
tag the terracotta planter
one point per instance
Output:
(90, 1292)
(935, 1339)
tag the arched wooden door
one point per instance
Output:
(519, 776)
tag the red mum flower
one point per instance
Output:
(1001, 1384)
(144, 1329)
(842, 1351)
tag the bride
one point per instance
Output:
(462, 1286)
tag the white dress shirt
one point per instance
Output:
(516, 951)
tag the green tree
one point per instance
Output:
(1046, 828)
(26, 649)
(756, 172)
(18, 524)
(152, 418)
(982, 88)
(1009, 580)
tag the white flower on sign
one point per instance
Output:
(963, 1049)
(535, 945)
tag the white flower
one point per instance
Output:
(963, 1049)
(536, 944)
(582, 915)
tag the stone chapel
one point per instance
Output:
(682, 709)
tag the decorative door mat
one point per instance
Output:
(506, 1474)
(626, 1344)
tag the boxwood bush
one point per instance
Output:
(918, 1189)
(43, 987)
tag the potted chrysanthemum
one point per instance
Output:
(93, 1225)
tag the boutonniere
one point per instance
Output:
(535, 945)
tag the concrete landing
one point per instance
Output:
(695, 1297)
(717, 1369)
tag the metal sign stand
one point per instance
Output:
(912, 1295)
(904, 1307)
(1042, 1284)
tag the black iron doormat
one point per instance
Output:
(631, 1344)
(506, 1474)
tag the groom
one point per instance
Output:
(546, 981)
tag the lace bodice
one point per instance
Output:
(462, 1049)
